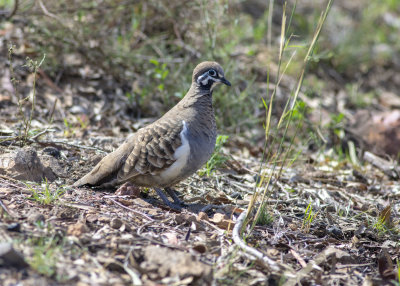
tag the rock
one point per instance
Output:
(15, 227)
(52, 151)
(162, 262)
(11, 257)
(116, 223)
(77, 229)
(25, 165)
(51, 162)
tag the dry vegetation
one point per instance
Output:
(303, 131)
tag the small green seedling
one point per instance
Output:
(309, 217)
(43, 193)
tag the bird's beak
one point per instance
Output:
(225, 81)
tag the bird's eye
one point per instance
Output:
(212, 72)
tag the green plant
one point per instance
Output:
(44, 259)
(43, 194)
(383, 223)
(33, 67)
(336, 124)
(309, 217)
(344, 211)
(280, 134)
(380, 226)
(265, 217)
(217, 158)
(46, 253)
(160, 73)
(78, 123)
(6, 3)
(356, 49)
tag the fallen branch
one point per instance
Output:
(249, 250)
(387, 167)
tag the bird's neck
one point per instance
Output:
(197, 95)
(197, 106)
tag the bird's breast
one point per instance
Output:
(181, 156)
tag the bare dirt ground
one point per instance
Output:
(328, 222)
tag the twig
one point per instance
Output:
(387, 167)
(249, 250)
(7, 178)
(46, 12)
(5, 208)
(209, 207)
(41, 133)
(6, 138)
(129, 209)
(14, 10)
(70, 144)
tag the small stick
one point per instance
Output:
(129, 209)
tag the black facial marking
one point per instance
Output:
(207, 79)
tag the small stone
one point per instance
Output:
(16, 227)
(202, 216)
(77, 229)
(11, 257)
(128, 189)
(25, 164)
(116, 223)
(91, 218)
(52, 151)
(237, 195)
(335, 231)
(76, 109)
(35, 216)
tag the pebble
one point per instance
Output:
(116, 223)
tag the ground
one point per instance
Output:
(330, 212)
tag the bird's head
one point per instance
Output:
(209, 74)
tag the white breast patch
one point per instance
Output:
(181, 155)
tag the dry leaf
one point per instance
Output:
(385, 266)
(222, 221)
(384, 216)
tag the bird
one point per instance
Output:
(170, 149)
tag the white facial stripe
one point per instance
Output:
(204, 78)
(205, 81)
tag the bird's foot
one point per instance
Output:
(176, 205)
(176, 199)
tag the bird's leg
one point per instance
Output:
(166, 200)
(177, 200)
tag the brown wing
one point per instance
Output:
(149, 151)
(105, 171)
(153, 150)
